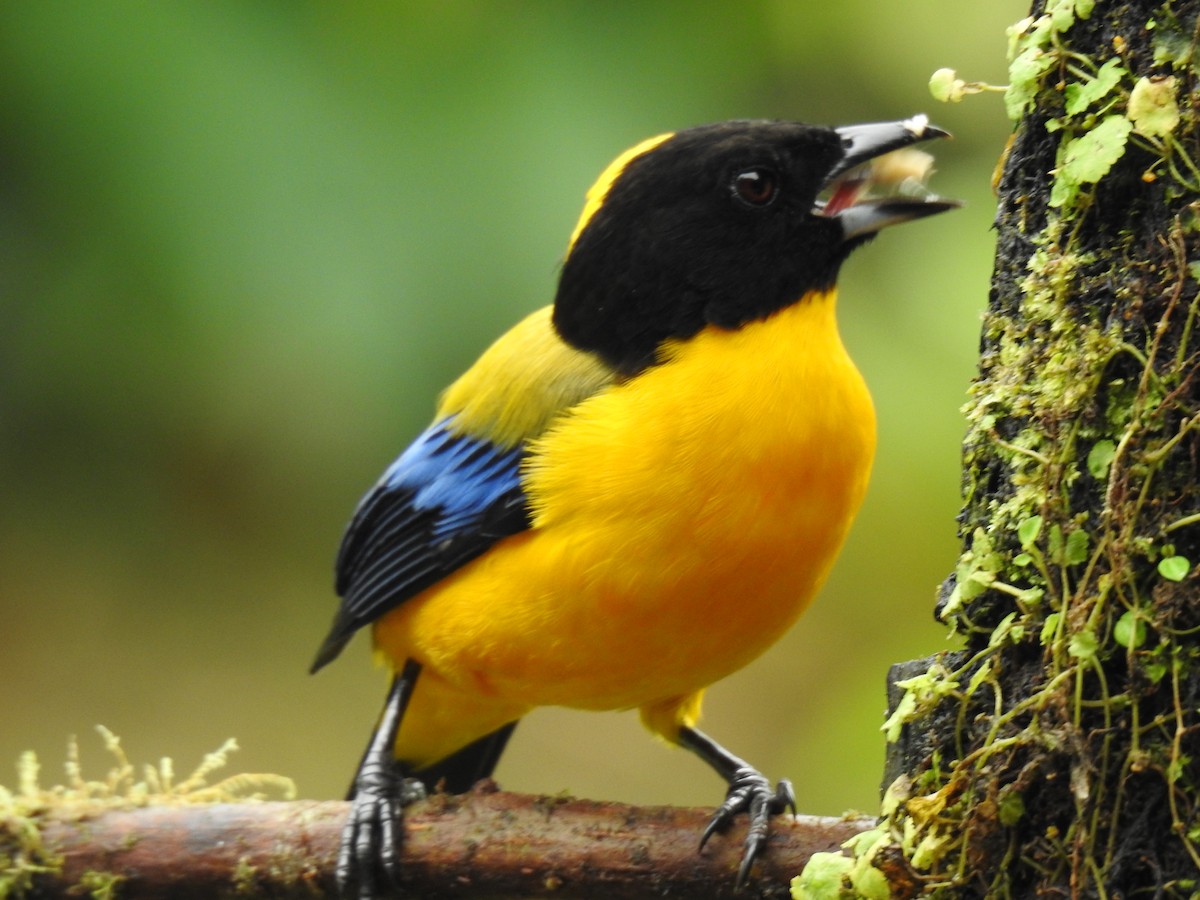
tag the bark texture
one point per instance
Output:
(1059, 755)
(485, 844)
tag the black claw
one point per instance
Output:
(370, 849)
(751, 793)
(718, 822)
(369, 856)
(748, 858)
(785, 798)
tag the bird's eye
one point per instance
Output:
(756, 187)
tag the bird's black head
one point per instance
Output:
(720, 225)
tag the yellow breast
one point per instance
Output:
(683, 519)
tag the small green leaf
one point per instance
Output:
(864, 843)
(1089, 157)
(946, 86)
(1130, 630)
(1156, 671)
(1027, 531)
(1172, 47)
(1082, 94)
(869, 883)
(1024, 77)
(1174, 568)
(897, 793)
(1083, 645)
(1022, 559)
(821, 878)
(982, 674)
(1152, 106)
(900, 716)
(1001, 631)
(954, 603)
(981, 544)
(1005, 630)
(1100, 457)
(1032, 597)
(1076, 550)
(1029, 32)
(1063, 192)
(1054, 543)
(980, 581)
(1177, 766)
(1011, 808)
(1049, 629)
(1062, 13)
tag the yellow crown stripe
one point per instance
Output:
(598, 191)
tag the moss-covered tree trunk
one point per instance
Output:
(1058, 755)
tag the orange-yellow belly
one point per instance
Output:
(682, 521)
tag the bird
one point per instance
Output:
(639, 488)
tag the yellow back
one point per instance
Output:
(521, 382)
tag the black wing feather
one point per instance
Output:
(446, 500)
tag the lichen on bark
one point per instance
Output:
(1060, 750)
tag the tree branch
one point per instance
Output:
(485, 844)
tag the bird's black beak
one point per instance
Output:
(865, 166)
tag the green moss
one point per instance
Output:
(245, 878)
(23, 853)
(1075, 591)
(99, 885)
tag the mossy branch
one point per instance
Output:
(485, 844)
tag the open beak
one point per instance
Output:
(880, 181)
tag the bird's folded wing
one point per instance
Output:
(457, 489)
(446, 500)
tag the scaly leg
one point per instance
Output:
(749, 792)
(382, 788)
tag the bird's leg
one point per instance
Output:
(371, 836)
(749, 792)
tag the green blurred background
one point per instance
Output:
(242, 246)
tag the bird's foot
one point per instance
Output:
(750, 792)
(369, 858)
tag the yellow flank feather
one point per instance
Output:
(521, 382)
(598, 191)
(682, 520)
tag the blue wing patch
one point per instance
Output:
(460, 477)
(446, 500)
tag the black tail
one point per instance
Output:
(459, 771)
